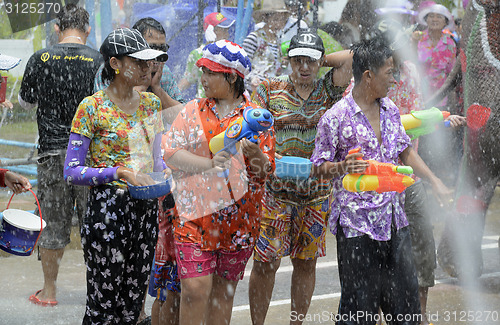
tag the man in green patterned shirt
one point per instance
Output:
(295, 211)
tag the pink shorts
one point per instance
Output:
(192, 262)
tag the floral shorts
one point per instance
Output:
(192, 262)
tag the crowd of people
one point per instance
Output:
(110, 118)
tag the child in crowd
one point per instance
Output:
(118, 125)
(218, 216)
(216, 27)
(164, 284)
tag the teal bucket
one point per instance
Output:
(20, 230)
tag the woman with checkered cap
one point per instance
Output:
(218, 217)
(117, 127)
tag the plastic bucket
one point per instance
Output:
(20, 230)
(3, 89)
(148, 192)
(293, 167)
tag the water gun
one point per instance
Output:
(419, 123)
(379, 177)
(253, 121)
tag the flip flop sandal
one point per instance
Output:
(45, 303)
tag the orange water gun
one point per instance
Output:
(379, 177)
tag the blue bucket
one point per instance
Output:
(20, 230)
(161, 188)
(293, 167)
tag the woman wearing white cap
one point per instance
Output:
(436, 49)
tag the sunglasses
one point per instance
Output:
(159, 47)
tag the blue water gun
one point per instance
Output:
(253, 121)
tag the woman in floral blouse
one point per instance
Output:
(218, 215)
(436, 49)
(120, 129)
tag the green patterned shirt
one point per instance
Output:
(295, 121)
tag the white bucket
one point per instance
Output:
(20, 230)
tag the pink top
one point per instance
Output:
(437, 62)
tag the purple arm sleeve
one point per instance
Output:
(159, 164)
(75, 171)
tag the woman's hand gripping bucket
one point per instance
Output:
(20, 230)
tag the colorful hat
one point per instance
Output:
(225, 56)
(130, 42)
(217, 19)
(8, 62)
(438, 9)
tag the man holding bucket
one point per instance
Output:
(56, 79)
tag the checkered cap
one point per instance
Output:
(225, 56)
(130, 42)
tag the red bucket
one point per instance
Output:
(3, 89)
(20, 230)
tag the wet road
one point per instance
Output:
(449, 302)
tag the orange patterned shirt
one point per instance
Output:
(214, 211)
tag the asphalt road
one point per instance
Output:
(449, 302)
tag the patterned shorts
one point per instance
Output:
(59, 202)
(291, 230)
(192, 262)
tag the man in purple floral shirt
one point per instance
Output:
(373, 241)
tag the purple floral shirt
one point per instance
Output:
(345, 127)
